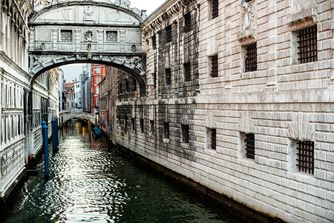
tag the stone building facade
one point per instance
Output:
(240, 100)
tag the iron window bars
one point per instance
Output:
(307, 44)
(251, 57)
(305, 156)
(250, 146)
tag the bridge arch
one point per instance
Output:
(92, 31)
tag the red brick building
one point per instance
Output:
(98, 73)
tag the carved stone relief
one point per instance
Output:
(248, 19)
(88, 13)
(301, 127)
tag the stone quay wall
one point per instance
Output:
(234, 104)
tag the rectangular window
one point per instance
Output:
(187, 22)
(166, 130)
(249, 145)
(126, 124)
(152, 126)
(111, 36)
(307, 44)
(154, 42)
(214, 65)
(211, 142)
(133, 121)
(251, 57)
(66, 36)
(185, 133)
(168, 76)
(142, 125)
(168, 34)
(214, 8)
(305, 156)
(187, 71)
(154, 75)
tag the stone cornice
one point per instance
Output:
(165, 12)
(5, 58)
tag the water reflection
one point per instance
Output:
(88, 183)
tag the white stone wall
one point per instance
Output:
(281, 102)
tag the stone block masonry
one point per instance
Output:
(252, 116)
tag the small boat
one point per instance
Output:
(97, 132)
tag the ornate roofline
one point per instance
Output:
(118, 5)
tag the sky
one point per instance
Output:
(74, 70)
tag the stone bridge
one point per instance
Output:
(66, 116)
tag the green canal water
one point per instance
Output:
(90, 182)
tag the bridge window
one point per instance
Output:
(111, 36)
(66, 36)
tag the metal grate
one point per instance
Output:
(168, 76)
(66, 35)
(154, 42)
(187, 71)
(185, 133)
(166, 130)
(168, 33)
(213, 139)
(111, 36)
(250, 145)
(251, 57)
(214, 65)
(187, 22)
(307, 44)
(142, 125)
(215, 8)
(248, 0)
(126, 124)
(305, 154)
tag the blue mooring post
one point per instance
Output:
(57, 132)
(54, 135)
(46, 149)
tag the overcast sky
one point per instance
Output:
(74, 70)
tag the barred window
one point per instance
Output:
(213, 142)
(187, 22)
(251, 57)
(307, 44)
(185, 133)
(142, 125)
(166, 130)
(133, 121)
(214, 65)
(111, 36)
(66, 36)
(154, 79)
(168, 33)
(250, 145)
(126, 124)
(152, 126)
(214, 8)
(187, 71)
(305, 156)
(154, 42)
(168, 76)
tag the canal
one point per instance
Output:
(90, 182)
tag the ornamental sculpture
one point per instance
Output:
(247, 18)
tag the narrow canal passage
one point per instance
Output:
(91, 183)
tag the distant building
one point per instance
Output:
(69, 95)
(105, 100)
(98, 73)
(85, 80)
(62, 99)
(77, 94)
